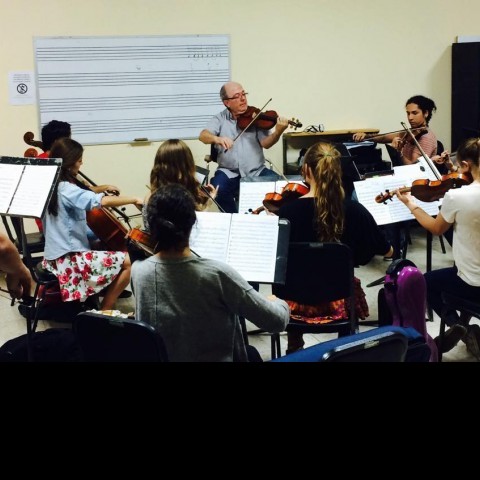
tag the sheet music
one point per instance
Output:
(33, 190)
(26, 184)
(9, 177)
(248, 243)
(209, 237)
(393, 211)
(252, 195)
(252, 249)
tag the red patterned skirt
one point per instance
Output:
(82, 274)
(330, 311)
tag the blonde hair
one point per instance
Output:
(323, 159)
(174, 164)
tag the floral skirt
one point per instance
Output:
(330, 311)
(82, 274)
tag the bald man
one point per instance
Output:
(244, 157)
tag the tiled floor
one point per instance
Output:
(12, 324)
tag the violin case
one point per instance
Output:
(383, 344)
(403, 303)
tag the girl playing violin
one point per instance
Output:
(81, 271)
(324, 214)
(460, 210)
(174, 164)
(419, 113)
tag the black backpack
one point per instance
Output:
(51, 345)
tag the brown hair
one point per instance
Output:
(469, 150)
(324, 161)
(70, 152)
(174, 164)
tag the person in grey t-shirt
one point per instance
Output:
(244, 157)
(195, 303)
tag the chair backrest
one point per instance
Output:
(317, 272)
(102, 338)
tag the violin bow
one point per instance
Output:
(210, 196)
(246, 128)
(424, 155)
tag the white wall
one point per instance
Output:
(343, 63)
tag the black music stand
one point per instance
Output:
(29, 184)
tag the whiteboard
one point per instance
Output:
(121, 89)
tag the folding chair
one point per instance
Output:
(317, 273)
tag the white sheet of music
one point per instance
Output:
(9, 177)
(209, 237)
(248, 243)
(393, 211)
(252, 249)
(252, 195)
(33, 190)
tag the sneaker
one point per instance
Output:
(451, 337)
(472, 340)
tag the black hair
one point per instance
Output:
(54, 130)
(426, 105)
(171, 216)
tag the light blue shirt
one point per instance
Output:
(68, 231)
(246, 156)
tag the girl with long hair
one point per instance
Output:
(81, 271)
(325, 214)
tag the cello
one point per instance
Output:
(104, 224)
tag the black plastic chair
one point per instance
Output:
(316, 273)
(466, 308)
(102, 338)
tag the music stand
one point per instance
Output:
(27, 186)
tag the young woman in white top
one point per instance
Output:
(460, 208)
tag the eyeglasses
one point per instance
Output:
(238, 96)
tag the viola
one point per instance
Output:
(264, 120)
(273, 200)
(142, 240)
(429, 190)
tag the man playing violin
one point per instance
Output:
(242, 157)
(419, 113)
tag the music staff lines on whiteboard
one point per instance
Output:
(121, 103)
(86, 79)
(69, 54)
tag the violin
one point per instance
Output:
(429, 190)
(273, 200)
(264, 120)
(420, 131)
(252, 115)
